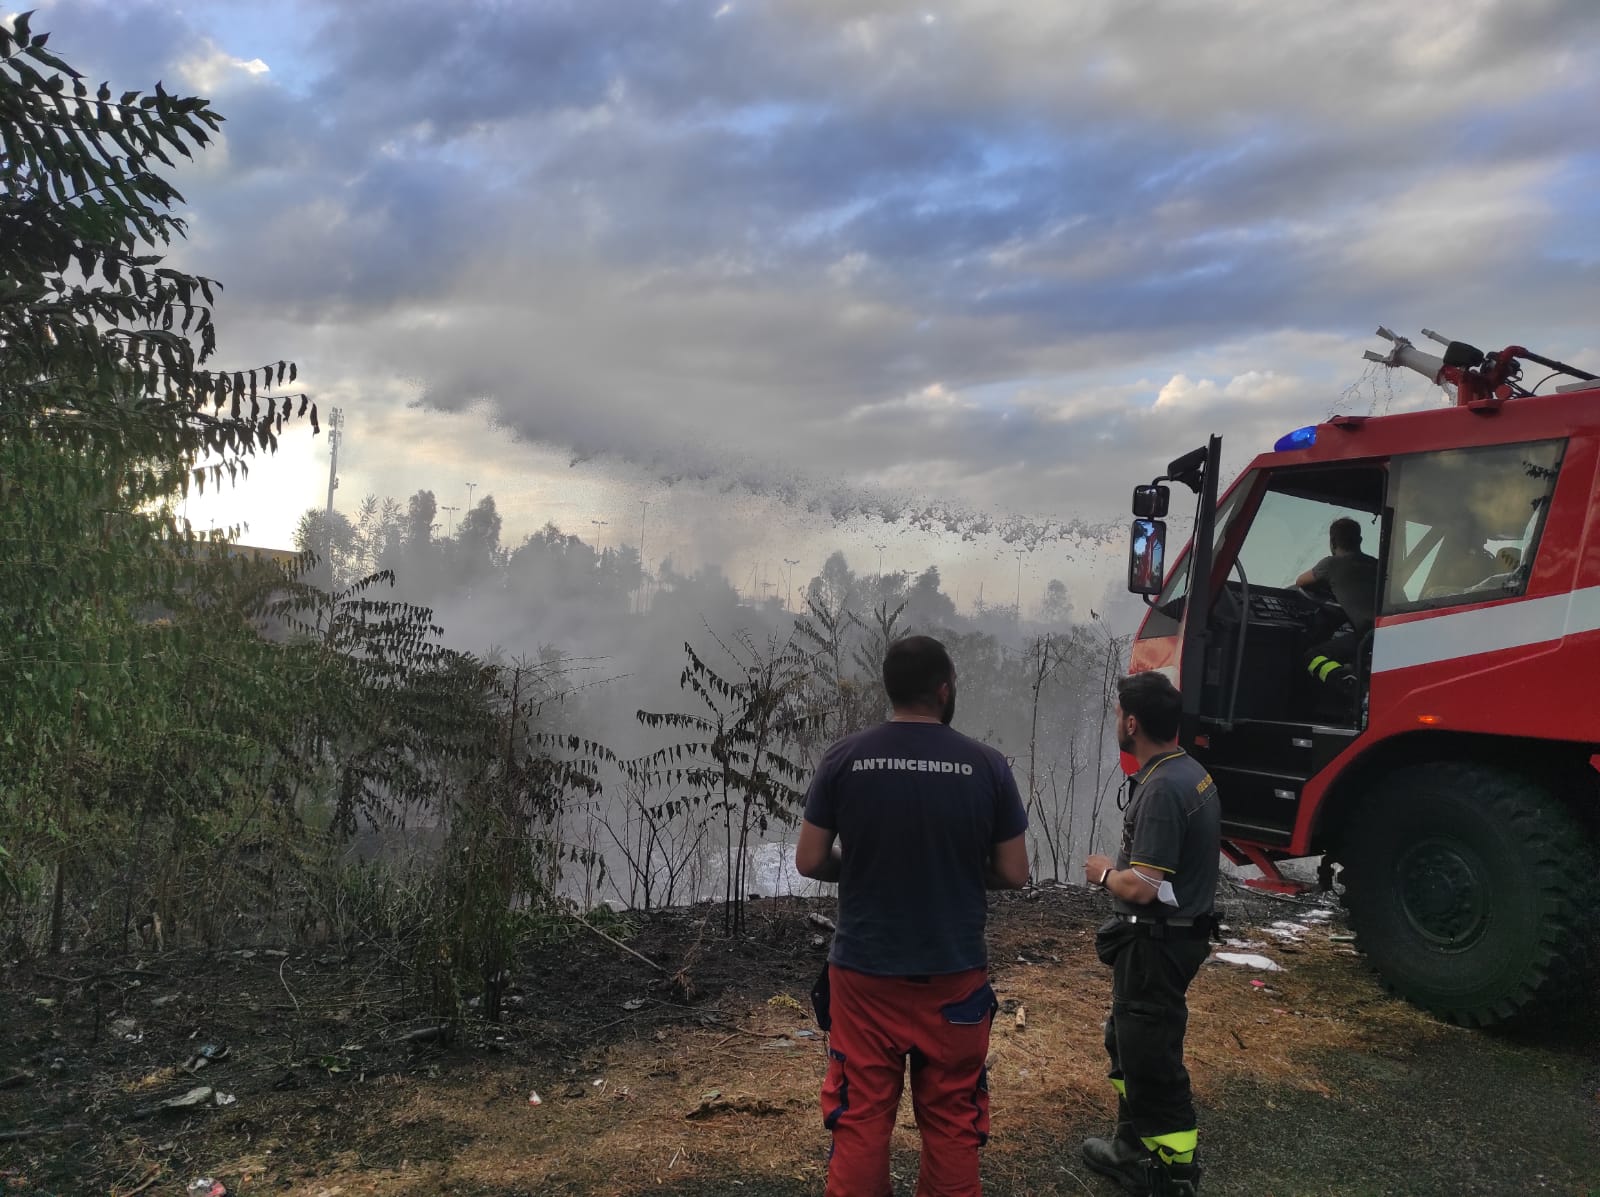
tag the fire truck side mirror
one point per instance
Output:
(1150, 502)
(1147, 556)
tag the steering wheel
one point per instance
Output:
(1318, 600)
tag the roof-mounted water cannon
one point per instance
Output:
(1408, 355)
(1478, 378)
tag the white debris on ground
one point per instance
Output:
(1285, 932)
(1249, 960)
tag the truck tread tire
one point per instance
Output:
(1467, 887)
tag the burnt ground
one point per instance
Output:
(697, 1074)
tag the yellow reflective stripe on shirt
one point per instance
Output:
(1148, 770)
(1152, 766)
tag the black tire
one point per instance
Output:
(1467, 888)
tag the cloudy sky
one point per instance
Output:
(804, 272)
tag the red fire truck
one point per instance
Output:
(1448, 768)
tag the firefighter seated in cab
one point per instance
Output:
(1508, 571)
(1351, 576)
(1464, 563)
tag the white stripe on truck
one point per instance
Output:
(1454, 634)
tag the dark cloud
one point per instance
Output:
(809, 247)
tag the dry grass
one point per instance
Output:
(619, 1123)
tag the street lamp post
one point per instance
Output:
(450, 526)
(788, 600)
(644, 509)
(471, 486)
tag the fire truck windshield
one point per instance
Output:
(1289, 535)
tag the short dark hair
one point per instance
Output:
(1154, 701)
(913, 670)
(1344, 534)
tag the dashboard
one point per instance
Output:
(1273, 606)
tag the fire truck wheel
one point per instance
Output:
(1466, 886)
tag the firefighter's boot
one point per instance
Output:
(1122, 1157)
(1173, 1180)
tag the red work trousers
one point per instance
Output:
(941, 1025)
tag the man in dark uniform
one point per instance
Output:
(914, 821)
(1163, 884)
(1351, 576)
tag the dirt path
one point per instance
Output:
(1312, 1082)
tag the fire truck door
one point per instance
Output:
(1268, 722)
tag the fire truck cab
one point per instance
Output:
(1447, 764)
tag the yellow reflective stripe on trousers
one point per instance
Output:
(1327, 668)
(1120, 1086)
(1316, 663)
(1176, 1147)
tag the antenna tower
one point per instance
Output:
(335, 436)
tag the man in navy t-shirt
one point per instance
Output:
(914, 821)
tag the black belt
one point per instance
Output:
(1155, 920)
(1159, 927)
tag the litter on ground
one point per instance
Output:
(1249, 960)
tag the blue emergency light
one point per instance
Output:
(1300, 438)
